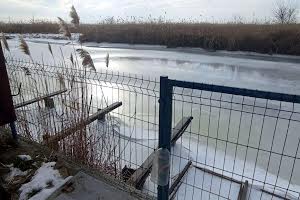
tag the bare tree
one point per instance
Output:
(292, 15)
(285, 13)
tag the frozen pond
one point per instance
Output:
(221, 70)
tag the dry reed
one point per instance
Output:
(262, 38)
(107, 60)
(87, 61)
(24, 46)
(4, 41)
(75, 17)
(50, 49)
(63, 28)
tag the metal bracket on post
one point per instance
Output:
(165, 123)
(101, 117)
(49, 102)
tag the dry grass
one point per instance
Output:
(262, 38)
(283, 39)
(4, 41)
(73, 108)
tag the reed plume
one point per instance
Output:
(61, 80)
(75, 17)
(86, 59)
(50, 49)
(4, 41)
(24, 46)
(107, 60)
(72, 59)
(63, 28)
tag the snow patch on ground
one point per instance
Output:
(13, 173)
(46, 179)
(25, 157)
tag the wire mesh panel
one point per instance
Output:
(234, 139)
(240, 144)
(116, 143)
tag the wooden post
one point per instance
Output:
(7, 111)
(178, 179)
(243, 191)
(53, 140)
(44, 97)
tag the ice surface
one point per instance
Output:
(222, 70)
(137, 141)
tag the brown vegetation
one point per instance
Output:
(282, 39)
(262, 38)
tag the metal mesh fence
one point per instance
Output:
(240, 147)
(234, 139)
(116, 144)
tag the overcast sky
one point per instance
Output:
(93, 10)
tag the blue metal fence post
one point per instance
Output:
(13, 130)
(165, 122)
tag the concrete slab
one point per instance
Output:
(84, 186)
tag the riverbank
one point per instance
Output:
(260, 38)
(60, 40)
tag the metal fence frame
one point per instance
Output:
(165, 109)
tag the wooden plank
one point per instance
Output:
(275, 195)
(180, 128)
(173, 195)
(240, 192)
(217, 174)
(243, 191)
(178, 179)
(19, 105)
(244, 185)
(140, 175)
(65, 133)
